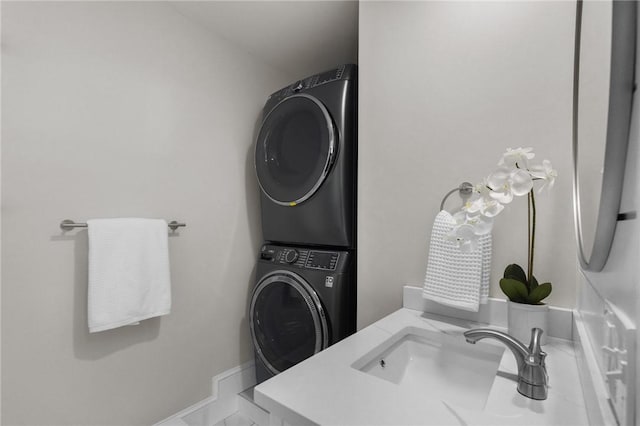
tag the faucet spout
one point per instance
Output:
(520, 351)
(532, 371)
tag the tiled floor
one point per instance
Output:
(236, 419)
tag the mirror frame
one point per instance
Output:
(621, 91)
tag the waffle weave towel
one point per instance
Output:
(455, 278)
(128, 271)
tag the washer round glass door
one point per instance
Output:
(288, 323)
(295, 149)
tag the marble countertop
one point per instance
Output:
(326, 390)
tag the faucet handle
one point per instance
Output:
(535, 350)
(536, 335)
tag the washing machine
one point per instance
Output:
(305, 160)
(303, 302)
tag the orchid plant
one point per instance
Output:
(514, 177)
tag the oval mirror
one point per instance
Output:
(603, 86)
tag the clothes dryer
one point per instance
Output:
(305, 160)
(303, 302)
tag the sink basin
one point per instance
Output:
(437, 365)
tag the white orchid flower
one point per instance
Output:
(491, 208)
(460, 218)
(473, 205)
(505, 183)
(498, 181)
(488, 206)
(467, 238)
(463, 233)
(482, 188)
(512, 179)
(521, 182)
(546, 173)
(482, 225)
(468, 228)
(516, 157)
(483, 204)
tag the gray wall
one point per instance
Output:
(445, 88)
(123, 109)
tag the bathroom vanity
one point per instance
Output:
(413, 367)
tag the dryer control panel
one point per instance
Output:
(301, 257)
(343, 72)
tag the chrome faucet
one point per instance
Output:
(532, 372)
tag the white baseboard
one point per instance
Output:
(494, 312)
(223, 401)
(234, 380)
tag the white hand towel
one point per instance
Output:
(129, 278)
(455, 278)
(485, 245)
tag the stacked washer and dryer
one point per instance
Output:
(305, 159)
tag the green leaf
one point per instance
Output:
(533, 284)
(515, 272)
(539, 293)
(515, 290)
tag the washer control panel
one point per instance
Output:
(322, 260)
(302, 258)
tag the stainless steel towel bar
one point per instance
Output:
(465, 188)
(68, 225)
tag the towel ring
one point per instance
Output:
(465, 189)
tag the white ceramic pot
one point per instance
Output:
(522, 318)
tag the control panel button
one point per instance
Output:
(267, 254)
(291, 256)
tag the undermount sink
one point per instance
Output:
(435, 364)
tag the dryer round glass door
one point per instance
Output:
(288, 323)
(295, 149)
